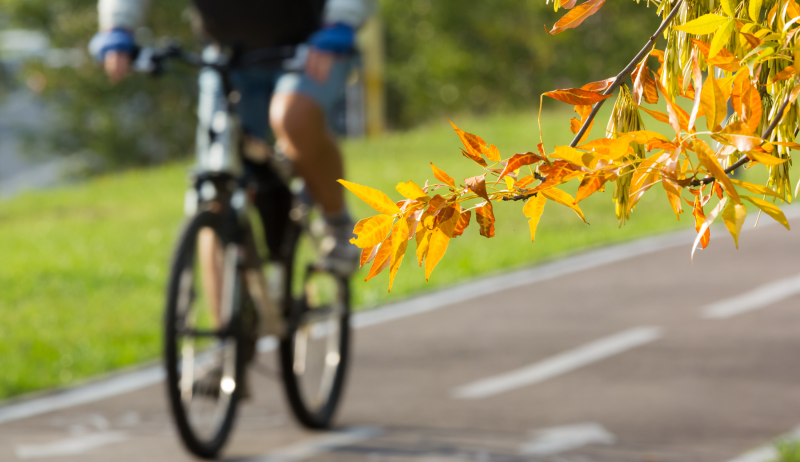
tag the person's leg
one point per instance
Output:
(299, 124)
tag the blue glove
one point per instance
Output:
(113, 40)
(335, 38)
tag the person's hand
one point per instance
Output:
(114, 49)
(117, 65)
(326, 44)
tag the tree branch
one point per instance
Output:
(627, 71)
(744, 159)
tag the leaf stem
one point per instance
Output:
(627, 71)
(744, 159)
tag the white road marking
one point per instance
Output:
(760, 297)
(767, 452)
(310, 448)
(559, 364)
(69, 446)
(132, 381)
(555, 440)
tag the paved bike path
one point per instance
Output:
(627, 354)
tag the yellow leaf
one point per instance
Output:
(770, 209)
(412, 191)
(703, 25)
(442, 176)
(374, 198)
(533, 209)
(440, 237)
(721, 38)
(709, 161)
(764, 158)
(371, 231)
(728, 8)
(733, 215)
(755, 188)
(713, 102)
(399, 246)
(754, 9)
(563, 198)
(574, 156)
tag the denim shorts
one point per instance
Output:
(257, 85)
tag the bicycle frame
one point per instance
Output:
(219, 182)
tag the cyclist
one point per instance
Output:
(291, 106)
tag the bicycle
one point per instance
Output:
(254, 278)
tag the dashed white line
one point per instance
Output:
(559, 364)
(69, 446)
(310, 448)
(760, 297)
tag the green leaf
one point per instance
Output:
(703, 25)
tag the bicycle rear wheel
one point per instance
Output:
(314, 354)
(202, 342)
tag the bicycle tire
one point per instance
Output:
(322, 416)
(209, 447)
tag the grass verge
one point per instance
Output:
(83, 267)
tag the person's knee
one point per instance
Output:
(296, 116)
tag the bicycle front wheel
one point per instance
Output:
(314, 354)
(202, 343)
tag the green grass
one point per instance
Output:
(83, 267)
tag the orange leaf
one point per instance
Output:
(474, 157)
(485, 217)
(474, 144)
(399, 246)
(766, 159)
(678, 118)
(517, 161)
(493, 153)
(477, 184)
(714, 103)
(785, 74)
(563, 198)
(371, 231)
(699, 219)
(658, 115)
(382, 258)
(374, 198)
(576, 16)
(367, 254)
(533, 209)
(462, 224)
(442, 176)
(600, 85)
(708, 160)
(589, 185)
(673, 195)
(576, 96)
(440, 238)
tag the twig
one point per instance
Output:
(744, 159)
(627, 71)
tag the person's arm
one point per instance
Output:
(341, 19)
(114, 44)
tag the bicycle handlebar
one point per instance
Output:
(151, 60)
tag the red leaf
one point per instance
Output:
(519, 160)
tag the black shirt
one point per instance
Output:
(259, 23)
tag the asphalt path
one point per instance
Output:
(630, 353)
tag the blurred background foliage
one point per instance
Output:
(443, 56)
